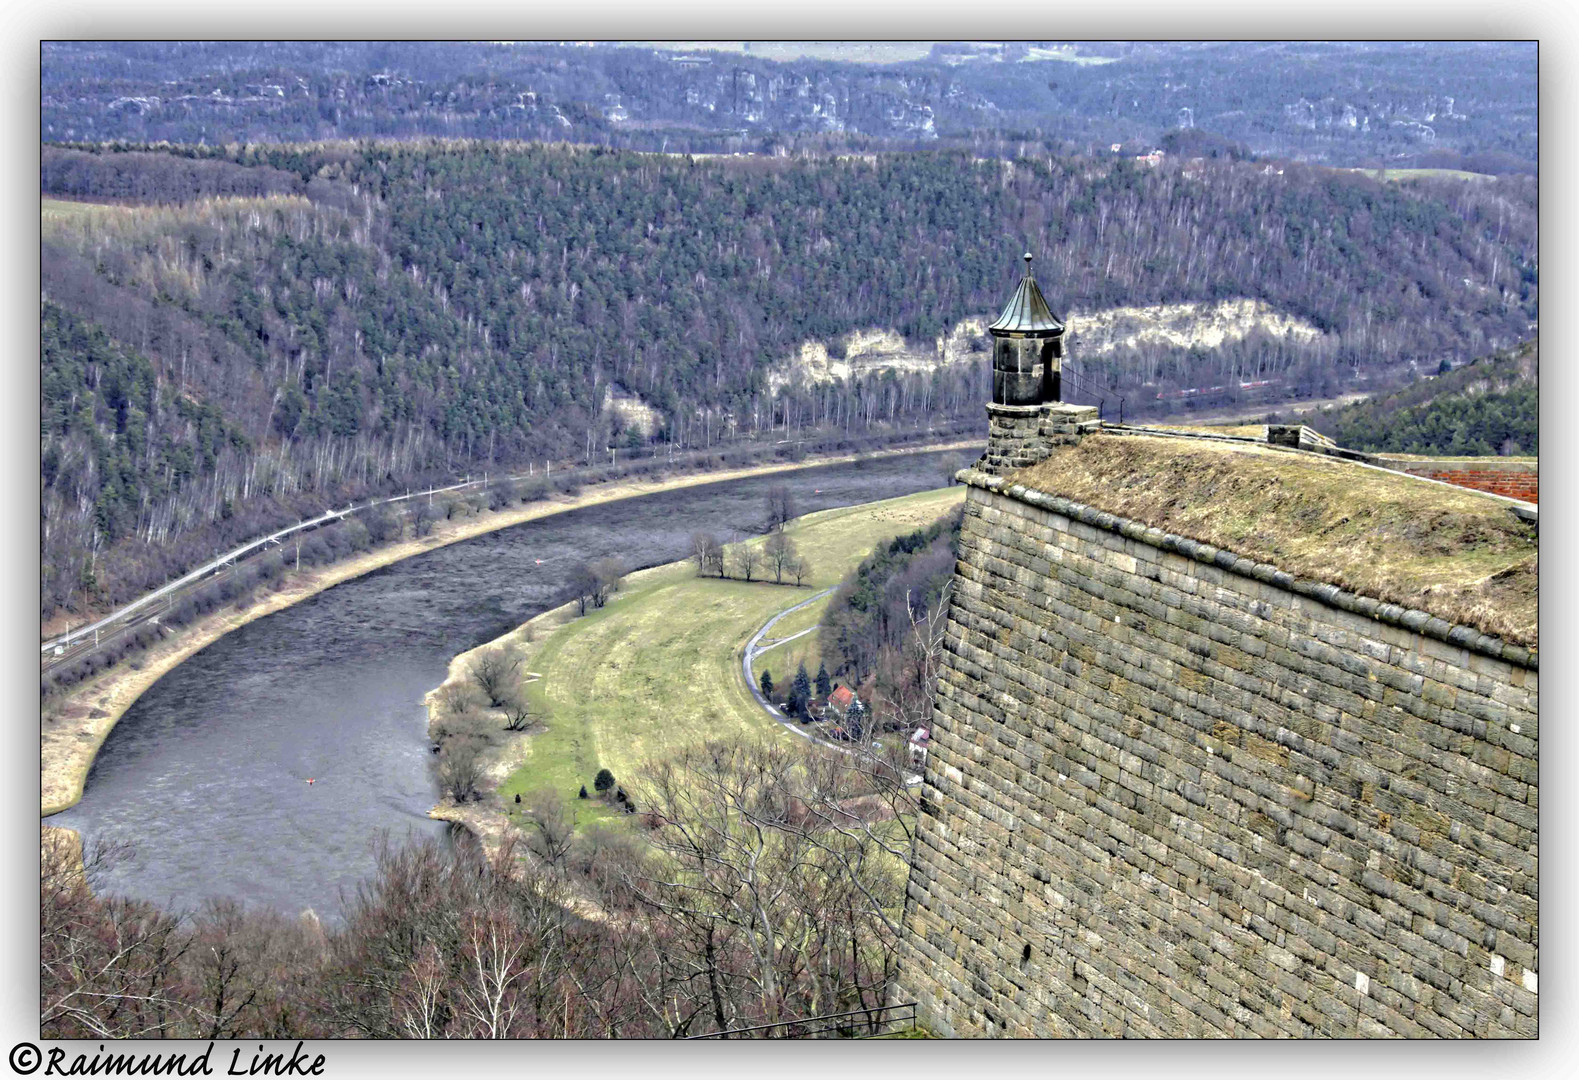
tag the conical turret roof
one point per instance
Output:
(1027, 311)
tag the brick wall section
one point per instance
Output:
(1515, 485)
(1170, 797)
(1517, 478)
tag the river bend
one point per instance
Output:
(206, 774)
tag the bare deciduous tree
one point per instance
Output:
(454, 944)
(773, 894)
(502, 495)
(461, 767)
(456, 698)
(518, 712)
(382, 524)
(910, 677)
(107, 970)
(113, 968)
(780, 506)
(584, 583)
(607, 574)
(554, 828)
(595, 580)
(471, 723)
(417, 1002)
(780, 554)
(423, 517)
(708, 551)
(494, 672)
(745, 558)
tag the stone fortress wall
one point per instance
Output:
(1175, 793)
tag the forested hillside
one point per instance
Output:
(1490, 406)
(354, 317)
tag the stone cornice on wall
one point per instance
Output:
(1399, 463)
(1422, 622)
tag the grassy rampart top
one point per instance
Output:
(1457, 554)
(1249, 431)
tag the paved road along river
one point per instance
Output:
(206, 775)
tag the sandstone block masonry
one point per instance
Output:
(1019, 436)
(1176, 793)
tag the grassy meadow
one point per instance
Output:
(1421, 174)
(658, 669)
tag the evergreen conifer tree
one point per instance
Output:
(801, 694)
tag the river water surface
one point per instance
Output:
(206, 774)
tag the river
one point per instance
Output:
(205, 777)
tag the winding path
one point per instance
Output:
(754, 649)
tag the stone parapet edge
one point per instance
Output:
(1515, 466)
(1421, 622)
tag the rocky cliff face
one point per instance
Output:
(1201, 325)
(1091, 334)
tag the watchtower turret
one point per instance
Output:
(1027, 348)
(1027, 416)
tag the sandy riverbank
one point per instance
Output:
(75, 725)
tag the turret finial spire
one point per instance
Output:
(1027, 310)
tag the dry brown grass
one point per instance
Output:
(1457, 554)
(1249, 431)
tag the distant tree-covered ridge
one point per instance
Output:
(1459, 104)
(349, 318)
(1490, 406)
